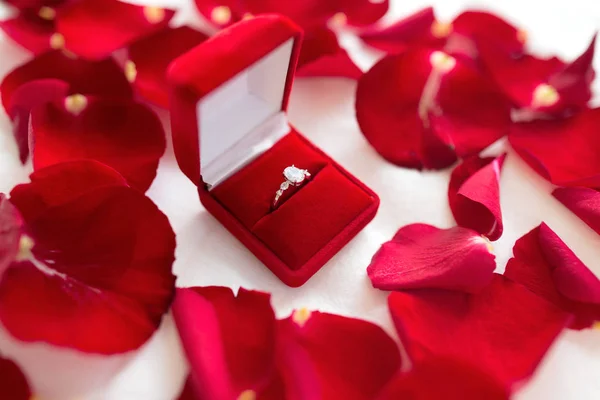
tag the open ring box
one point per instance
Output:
(228, 100)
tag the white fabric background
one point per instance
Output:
(323, 110)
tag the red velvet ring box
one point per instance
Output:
(228, 100)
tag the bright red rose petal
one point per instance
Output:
(95, 28)
(583, 202)
(505, 329)
(444, 378)
(11, 229)
(483, 27)
(543, 85)
(321, 55)
(52, 76)
(546, 265)
(414, 29)
(30, 31)
(423, 256)
(564, 151)
(95, 271)
(126, 136)
(150, 57)
(387, 110)
(354, 359)
(474, 195)
(420, 107)
(229, 341)
(13, 384)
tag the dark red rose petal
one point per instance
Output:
(418, 28)
(583, 202)
(13, 384)
(363, 12)
(30, 31)
(62, 183)
(444, 378)
(474, 195)
(150, 57)
(95, 274)
(229, 341)
(127, 136)
(423, 256)
(543, 85)
(545, 264)
(420, 107)
(26, 97)
(307, 13)
(354, 359)
(321, 55)
(221, 13)
(188, 392)
(505, 329)
(102, 78)
(52, 76)
(95, 28)
(11, 229)
(564, 151)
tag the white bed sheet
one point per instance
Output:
(323, 109)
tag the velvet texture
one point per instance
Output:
(325, 212)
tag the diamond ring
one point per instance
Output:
(294, 176)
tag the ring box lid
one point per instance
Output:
(241, 79)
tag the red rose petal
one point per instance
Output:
(11, 229)
(364, 12)
(221, 13)
(13, 384)
(412, 30)
(321, 55)
(229, 341)
(543, 85)
(387, 110)
(150, 57)
(474, 114)
(62, 183)
(102, 78)
(545, 264)
(188, 392)
(51, 76)
(127, 136)
(505, 329)
(30, 31)
(485, 27)
(95, 28)
(563, 151)
(419, 107)
(354, 359)
(306, 13)
(444, 378)
(423, 256)
(583, 202)
(95, 275)
(474, 195)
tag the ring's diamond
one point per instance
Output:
(294, 174)
(285, 185)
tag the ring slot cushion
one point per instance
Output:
(228, 100)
